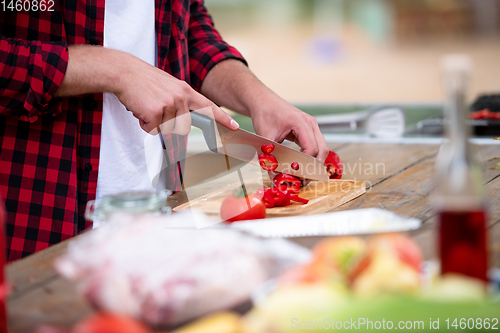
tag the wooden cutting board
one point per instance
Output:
(322, 197)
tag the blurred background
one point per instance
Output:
(362, 51)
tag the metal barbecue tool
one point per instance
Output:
(380, 121)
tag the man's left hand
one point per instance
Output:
(230, 83)
(277, 120)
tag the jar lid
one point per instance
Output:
(128, 202)
(136, 200)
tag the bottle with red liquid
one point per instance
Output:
(458, 197)
(3, 285)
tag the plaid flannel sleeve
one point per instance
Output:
(30, 74)
(206, 46)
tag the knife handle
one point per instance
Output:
(207, 126)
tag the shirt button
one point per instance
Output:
(88, 167)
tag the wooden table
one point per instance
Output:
(399, 178)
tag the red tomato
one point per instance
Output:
(242, 208)
(110, 323)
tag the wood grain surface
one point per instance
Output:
(398, 178)
(323, 197)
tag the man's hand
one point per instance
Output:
(230, 83)
(156, 98)
(277, 120)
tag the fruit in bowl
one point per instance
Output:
(384, 263)
(391, 263)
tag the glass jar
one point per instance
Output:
(131, 203)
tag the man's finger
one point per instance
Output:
(149, 121)
(321, 143)
(148, 127)
(182, 121)
(200, 103)
(224, 119)
(168, 122)
(306, 140)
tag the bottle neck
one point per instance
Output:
(457, 129)
(456, 112)
(459, 182)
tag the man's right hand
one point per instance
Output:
(155, 97)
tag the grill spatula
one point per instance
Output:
(380, 121)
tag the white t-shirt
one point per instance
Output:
(129, 157)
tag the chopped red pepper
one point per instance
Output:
(287, 182)
(267, 148)
(295, 166)
(285, 202)
(274, 197)
(296, 198)
(280, 197)
(267, 158)
(334, 165)
(267, 199)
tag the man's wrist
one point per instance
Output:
(113, 70)
(93, 69)
(263, 100)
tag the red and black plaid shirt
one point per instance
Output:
(49, 147)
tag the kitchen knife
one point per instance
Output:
(245, 146)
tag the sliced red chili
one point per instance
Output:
(264, 159)
(267, 148)
(334, 165)
(285, 201)
(273, 196)
(280, 197)
(267, 198)
(287, 182)
(295, 166)
(287, 187)
(296, 198)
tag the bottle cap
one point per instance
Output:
(456, 63)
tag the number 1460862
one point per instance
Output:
(471, 323)
(27, 5)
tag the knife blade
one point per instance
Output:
(245, 146)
